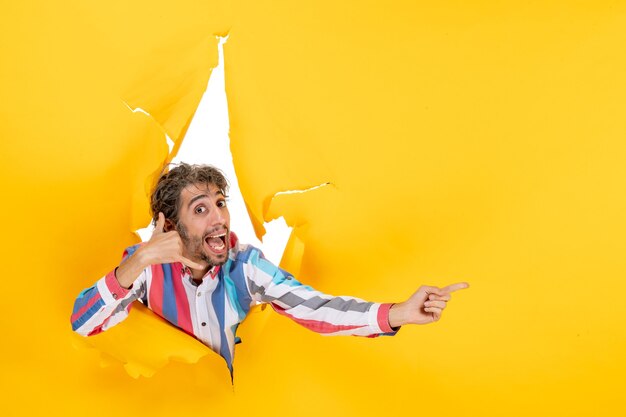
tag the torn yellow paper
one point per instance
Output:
(77, 165)
(478, 142)
(149, 346)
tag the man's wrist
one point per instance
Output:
(396, 315)
(121, 284)
(139, 258)
(130, 269)
(116, 290)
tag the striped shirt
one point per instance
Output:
(212, 310)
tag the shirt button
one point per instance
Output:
(204, 323)
(199, 294)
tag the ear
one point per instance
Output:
(169, 225)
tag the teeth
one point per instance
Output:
(220, 247)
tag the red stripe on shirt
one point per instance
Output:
(317, 326)
(116, 290)
(383, 317)
(156, 290)
(97, 330)
(180, 295)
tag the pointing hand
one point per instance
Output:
(424, 306)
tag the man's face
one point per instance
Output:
(204, 224)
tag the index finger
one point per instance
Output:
(190, 263)
(455, 287)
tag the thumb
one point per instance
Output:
(160, 224)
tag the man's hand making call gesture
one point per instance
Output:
(163, 247)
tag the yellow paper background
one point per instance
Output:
(480, 142)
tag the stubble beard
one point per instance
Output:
(194, 246)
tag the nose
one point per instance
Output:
(219, 217)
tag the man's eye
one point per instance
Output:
(221, 203)
(200, 209)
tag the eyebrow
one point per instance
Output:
(199, 196)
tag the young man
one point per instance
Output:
(194, 273)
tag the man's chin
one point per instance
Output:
(215, 259)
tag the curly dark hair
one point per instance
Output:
(165, 197)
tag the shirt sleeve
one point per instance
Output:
(325, 314)
(106, 303)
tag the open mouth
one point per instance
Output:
(217, 242)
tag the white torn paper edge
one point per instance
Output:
(207, 142)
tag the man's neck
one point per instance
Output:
(199, 274)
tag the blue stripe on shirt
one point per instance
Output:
(84, 297)
(169, 296)
(231, 292)
(239, 295)
(245, 255)
(131, 249)
(279, 276)
(219, 304)
(87, 314)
